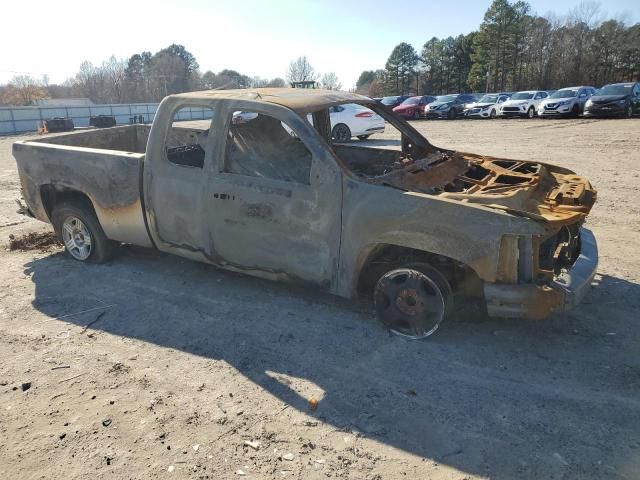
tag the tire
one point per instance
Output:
(412, 301)
(341, 133)
(629, 111)
(575, 112)
(363, 137)
(493, 114)
(531, 113)
(75, 223)
(416, 115)
(451, 115)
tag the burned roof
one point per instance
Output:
(299, 99)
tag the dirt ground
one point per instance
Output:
(157, 367)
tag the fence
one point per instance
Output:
(15, 120)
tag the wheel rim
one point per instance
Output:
(341, 134)
(531, 113)
(629, 111)
(416, 115)
(493, 114)
(409, 303)
(77, 238)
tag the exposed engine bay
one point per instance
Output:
(535, 190)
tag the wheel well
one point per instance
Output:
(386, 257)
(53, 195)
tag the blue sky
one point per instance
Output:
(251, 36)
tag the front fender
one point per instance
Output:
(376, 215)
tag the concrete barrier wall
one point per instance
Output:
(15, 120)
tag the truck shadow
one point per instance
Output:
(503, 399)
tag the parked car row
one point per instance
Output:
(619, 99)
(352, 120)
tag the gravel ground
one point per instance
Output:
(157, 367)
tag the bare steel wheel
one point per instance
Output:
(410, 302)
(76, 238)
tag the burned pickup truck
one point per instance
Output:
(415, 227)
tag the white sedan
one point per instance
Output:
(353, 120)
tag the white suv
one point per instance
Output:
(523, 104)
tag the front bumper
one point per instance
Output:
(556, 111)
(478, 113)
(604, 111)
(565, 292)
(437, 114)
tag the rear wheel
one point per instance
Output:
(363, 137)
(531, 112)
(341, 133)
(78, 228)
(413, 301)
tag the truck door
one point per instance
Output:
(179, 156)
(275, 198)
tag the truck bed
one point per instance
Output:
(104, 164)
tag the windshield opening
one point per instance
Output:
(522, 96)
(615, 90)
(389, 100)
(411, 101)
(568, 93)
(446, 98)
(488, 99)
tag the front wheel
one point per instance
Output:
(363, 137)
(493, 114)
(629, 111)
(79, 230)
(531, 112)
(341, 133)
(413, 301)
(452, 114)
(416, 115)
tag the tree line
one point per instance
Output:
(513, 50)
(147, 77)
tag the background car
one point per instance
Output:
(565, 102)
(523, 104)
(242, 117)
(352, 120)
(489, 106)
(448, 106)
(413, 107)
(614, 99)
(393, 101)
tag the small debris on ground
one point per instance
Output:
(255, 445)
(25, 386)
(43, 241)
(288, 457)
(106, 422)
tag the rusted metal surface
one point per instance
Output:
(513, 224)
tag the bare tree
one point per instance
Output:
(300, 70)
(277, 83)
(330, 81)
(25, 89)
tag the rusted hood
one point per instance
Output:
(535, 190)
